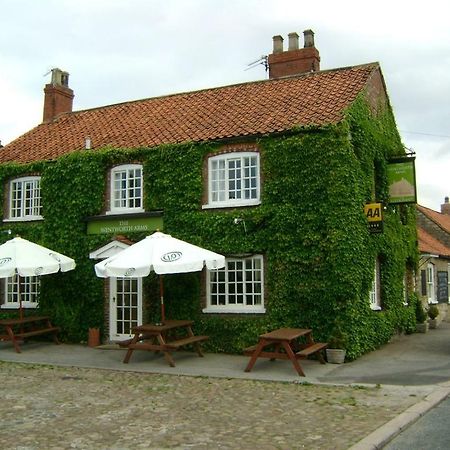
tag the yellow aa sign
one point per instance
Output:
(373, 212)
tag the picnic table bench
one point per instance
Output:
(25, 327)
(159, 338)
(283, 344)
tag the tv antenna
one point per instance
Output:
(261, 60)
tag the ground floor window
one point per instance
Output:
(374, 294)
(27, 287)
(431, 291)
(238, 287)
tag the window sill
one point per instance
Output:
(231, 204)
(118, 212)
(233, 310)
(375, 308)
(24, 219)
(16, 305)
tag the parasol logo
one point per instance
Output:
(38, 270)
(4, 261)
(130, 272)
(171, 256)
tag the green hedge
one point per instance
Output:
(310, 227)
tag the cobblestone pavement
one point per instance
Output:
(46, 407)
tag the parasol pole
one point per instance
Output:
(161, 296)
(19, 293)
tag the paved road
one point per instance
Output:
(432, 431)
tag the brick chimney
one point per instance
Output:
(58, 96)
(294, 61)
(445, 207)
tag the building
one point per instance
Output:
(274, 174)
(433, 229)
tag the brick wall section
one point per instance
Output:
(57, 100)
(294, 62)
(376, 93)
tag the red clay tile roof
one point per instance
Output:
(428, 244)
(442, 220)
(248, 109)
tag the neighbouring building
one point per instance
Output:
(433, 229)
(274, 174)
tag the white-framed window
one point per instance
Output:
(405, 288)
(431, 287)
(28, 287)
(233, 180)
(238, 287)
(25, 199)
(374, 294)
(126, 189)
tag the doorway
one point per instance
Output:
(125, 307)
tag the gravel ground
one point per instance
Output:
(45, 407)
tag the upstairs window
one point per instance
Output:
(233, 180)
(28, 287)
(126, 189)
(238, 287)
(25, 199)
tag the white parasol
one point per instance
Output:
(162, 254)
(25, 258)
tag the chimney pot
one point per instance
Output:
(293, 41)
(308, 36)
(278, 44)
(295, 61)
(60, 78)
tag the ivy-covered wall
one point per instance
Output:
(310, 227)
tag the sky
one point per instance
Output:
(117, 50)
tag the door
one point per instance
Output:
(125, 307)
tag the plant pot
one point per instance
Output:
(93, 337)
(335, 355)
(422, 327)
(433, 323)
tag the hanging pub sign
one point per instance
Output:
(374, 217)
(401, 176)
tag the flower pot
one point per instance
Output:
(335, 355)
(93, 337)
(433, 323)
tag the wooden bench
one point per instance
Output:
(185, 341)
(249, 350)
(25, 327)
(164, 337)
(317, 347)
(293, 344)
(37, 332)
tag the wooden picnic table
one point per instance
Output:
(164, 337)
(284, 344)
(25, 327)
